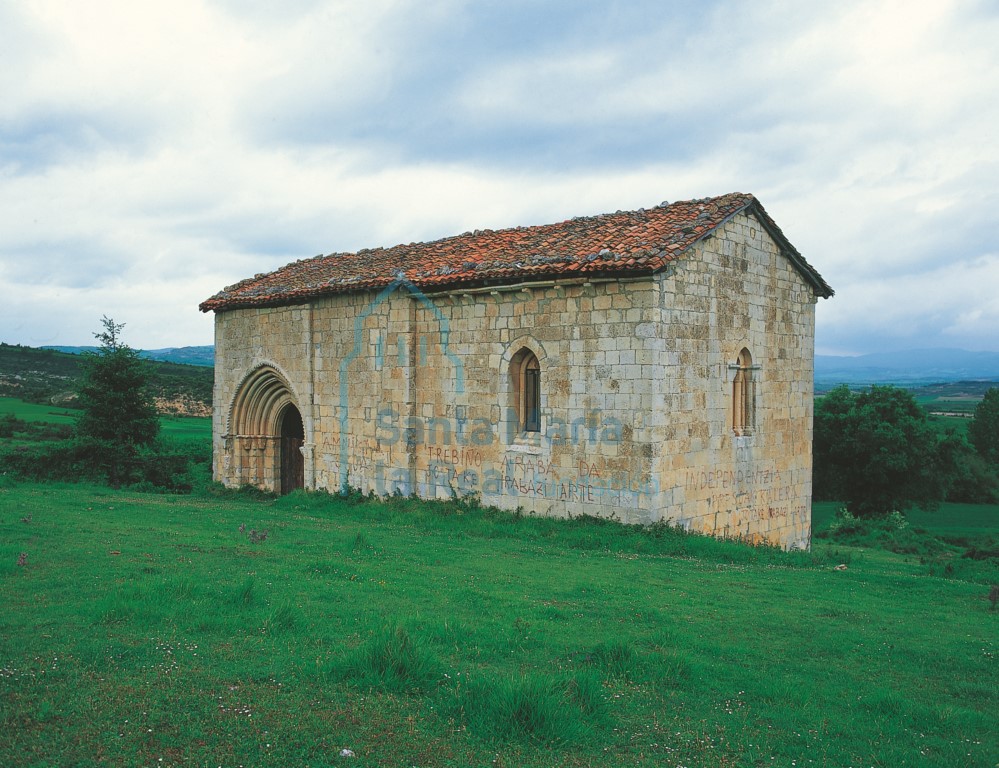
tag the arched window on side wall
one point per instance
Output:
(526, 374)
(743, 415)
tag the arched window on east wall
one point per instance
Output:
(525, 371)
(743, 412)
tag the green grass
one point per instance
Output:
(186, 428)
(947, 424)
(177, 428)
(950, 519)
(957, 540)
(152, 630)
(446, 635)
(957, 519)
(34, 412)
(953, 404)
(823, 513)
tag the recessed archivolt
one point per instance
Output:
(521, 343)
(259, 402)
(514, 353)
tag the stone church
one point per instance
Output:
(649, 365)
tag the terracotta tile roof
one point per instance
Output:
(623, 243)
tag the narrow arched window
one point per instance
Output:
(742, 395)
(526, 374)
(532, 395)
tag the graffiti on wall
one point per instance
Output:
(742, 498)
(461, 470)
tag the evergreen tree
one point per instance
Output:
(118, 413)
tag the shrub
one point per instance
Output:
(171, 467)
(890, 531)
(48, 461)
(951, 557)
(161, 466)
(843, 523)
(974, 481)
(9, 424)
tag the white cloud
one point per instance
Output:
(150, 155)
(940, 307)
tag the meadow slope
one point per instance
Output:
(226, 630)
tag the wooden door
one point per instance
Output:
(292, 460)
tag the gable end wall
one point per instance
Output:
(738, 292)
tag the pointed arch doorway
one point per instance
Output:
(292, 439)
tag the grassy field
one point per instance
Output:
(186, 428)
(223, 629)
(949, 520)
(228, 630)
(36, 412)
(957, 398)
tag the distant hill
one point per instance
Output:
(911, 368)
(204, 356)
(50, 375)
(184, 355)
(908, 368)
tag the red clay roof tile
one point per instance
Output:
(622, 243)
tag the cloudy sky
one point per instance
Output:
(153, 153)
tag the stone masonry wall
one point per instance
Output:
(430, 404)
(404, 393)
(738, 293)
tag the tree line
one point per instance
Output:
(878, 452)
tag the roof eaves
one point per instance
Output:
(822, 288)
